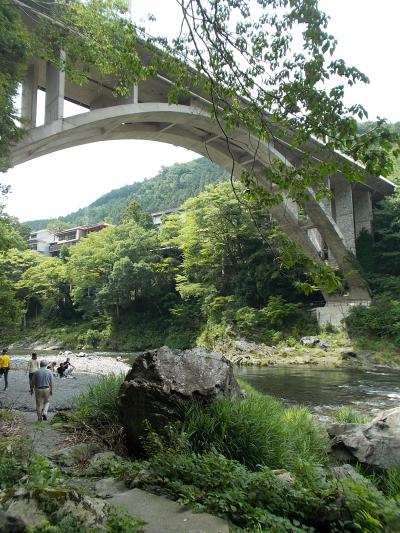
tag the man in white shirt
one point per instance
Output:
(33, 365)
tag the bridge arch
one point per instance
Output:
(193, 128)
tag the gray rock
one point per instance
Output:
(11, 524)
(162, 381)
(75, 454)
(245, 346)
(108, 487)
(346, 471)
(376, 443)
(90, 512)
(309, 341)
(348, 353)
(103, 456)
(284, 475)
(166, 516)
(26, 511)
(324, 344)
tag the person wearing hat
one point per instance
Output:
(42, 384)
(5, 366)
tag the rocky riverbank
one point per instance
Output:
(313, 350)
(328, 350)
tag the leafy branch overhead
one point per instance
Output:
(270, 65)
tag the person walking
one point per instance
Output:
(42, 384)
(5, 366)
(33, 365)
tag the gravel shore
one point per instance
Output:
(88, 370)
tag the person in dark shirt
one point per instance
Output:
(61, 370)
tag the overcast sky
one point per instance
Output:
(60, 183)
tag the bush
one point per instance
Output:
(381, 319)
(257, 430)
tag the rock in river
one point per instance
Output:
(376, 443)
(161, 382)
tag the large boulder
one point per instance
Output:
(163, 381)
(376, 443)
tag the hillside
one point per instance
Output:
(169, 189)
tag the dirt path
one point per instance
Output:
(44, 440)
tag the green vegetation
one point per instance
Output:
(206, 276)
(347, 414)
(257, 431)
(219, 473)
(43, 482)
(377, 327)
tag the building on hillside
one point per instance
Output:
(49, 243)
(158, 217)
(71, 236)
(40, 241)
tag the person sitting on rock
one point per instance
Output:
(60, 370)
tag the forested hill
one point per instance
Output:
(169, 189)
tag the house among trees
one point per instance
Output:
(50, 243)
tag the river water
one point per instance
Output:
(324, 390)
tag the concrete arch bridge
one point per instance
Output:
(146, 115)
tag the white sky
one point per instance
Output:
(60, 183)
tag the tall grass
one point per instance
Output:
(257, 430)
(98, 405)
(347, 414)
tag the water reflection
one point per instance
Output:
(325, 389)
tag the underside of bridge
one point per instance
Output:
(330, 229)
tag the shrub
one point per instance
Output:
(257, 430)
(10, 471)
(381, 319)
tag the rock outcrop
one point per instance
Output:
(161, 382)
(376, 443)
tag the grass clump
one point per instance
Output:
(257, 430)
(98, 405)
(348, 415)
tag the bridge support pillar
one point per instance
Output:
(29, 96)
(362, 209)
(55, 87)
(344, 212)
(335, 312)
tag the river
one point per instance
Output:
(324, 390)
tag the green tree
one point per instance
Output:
(134, 213)
(14, 51)
(44, 287)
(57, 225)
(119, 269)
